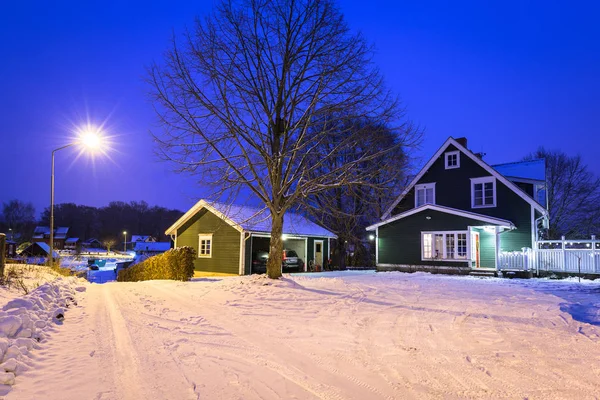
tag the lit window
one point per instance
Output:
(204, 246)
(483, 192)
(449, 246)
(452, 159)
(424, 194)
(427, 245)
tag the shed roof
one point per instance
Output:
(254, 219)
(533, 169)
(152, 246)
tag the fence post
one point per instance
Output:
(2, 254)
(564, 253)
(594, 263)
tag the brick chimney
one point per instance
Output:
(462, 141)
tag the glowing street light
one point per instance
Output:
(125, 241)
(89, 139)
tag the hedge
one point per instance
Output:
(175, 264)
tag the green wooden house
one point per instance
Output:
(459, 214)
(226, 237)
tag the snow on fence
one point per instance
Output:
(572, 256)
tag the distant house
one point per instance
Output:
(460, 214)
(11, 249)
(38, 249)
(72, 243)
(151, 248)
(92, 243)
(41, 234)
(142, 238)
(229, 238)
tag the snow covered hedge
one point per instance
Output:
(23, 321)
(175, 264)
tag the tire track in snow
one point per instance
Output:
(317, 383)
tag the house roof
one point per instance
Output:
(477, 160)
(533, 169)
(152, 246)
(43, 246)
(142, 238)
(253, 219)
(72, 240)
(447, 210)
(59, 232)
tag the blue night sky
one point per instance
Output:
(509, 75)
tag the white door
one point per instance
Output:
(319, 253)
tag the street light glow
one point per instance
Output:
(90, 140)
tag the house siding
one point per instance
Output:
(225, 246)
(453, 189)
(400, 241)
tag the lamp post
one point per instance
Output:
(91, 141)
(125, 241)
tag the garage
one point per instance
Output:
(231, 239)
(293, 247)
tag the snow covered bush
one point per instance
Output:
(175, 264)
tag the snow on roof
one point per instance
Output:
(254, 219)
(152, 246)
(534, 169)
(142, 238)
(59, 232)
(43, 246)
(72, 240)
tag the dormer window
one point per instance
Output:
(424, 194)
(452, 159)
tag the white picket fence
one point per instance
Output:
(571, 256)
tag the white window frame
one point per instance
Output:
(201, 237)
(444, 234)
(424, 186)
(483, 181)
(447, 157)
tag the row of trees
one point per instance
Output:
(104, 223)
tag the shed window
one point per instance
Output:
(483, 192)
(424, 194)
(204, 246)
(447, 246)
(452, 159)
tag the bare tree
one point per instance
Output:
(245, 101)
(19, 217)
(573, 194)
(109, 242)
(347, 211)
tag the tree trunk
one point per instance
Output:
(276, 247)
(2, 253)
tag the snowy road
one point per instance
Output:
(360, 336)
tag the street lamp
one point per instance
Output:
(125, 241)
(89, 139)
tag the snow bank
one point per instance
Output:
(24, 320)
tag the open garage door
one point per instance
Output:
(297, 245)
(260, 252)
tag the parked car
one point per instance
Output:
(291, 261)
(259, 261)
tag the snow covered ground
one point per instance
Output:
(350, 335)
